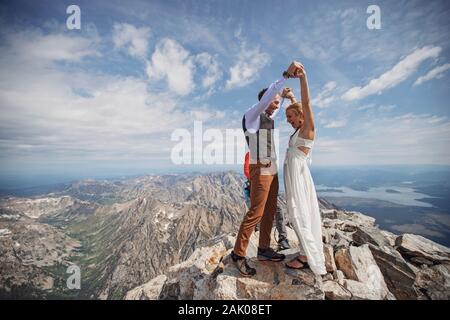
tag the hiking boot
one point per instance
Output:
(242, 265)
(270, 255)
(283, 244)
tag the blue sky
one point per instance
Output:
(108, 97)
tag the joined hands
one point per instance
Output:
(295, 70)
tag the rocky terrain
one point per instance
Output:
(362, 262)
(164, 235)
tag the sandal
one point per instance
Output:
(303, 264)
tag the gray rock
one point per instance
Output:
(149, 291)
(398, 274)
(369, 235)
(360, 291)
(434, 282)
(339, 239)
(358, 264)
(330, 265)
(424, 251)
(335, 291)
(338, 275)
(344, 263)
(357, 217)
(329, 213)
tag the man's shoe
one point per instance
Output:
(242, 265)
(283, 244)
(270, 255)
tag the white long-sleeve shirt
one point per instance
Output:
(252, 117)
(252, 114)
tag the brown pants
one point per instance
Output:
(263, 207)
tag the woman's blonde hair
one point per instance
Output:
(297, 107)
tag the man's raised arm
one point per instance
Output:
(253, 113)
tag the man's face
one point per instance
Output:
(274, 105)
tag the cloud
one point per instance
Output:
(173, 63)
(399, 73)
(386, 107)
(437, 73)
(406, 139)
(333, 124)
(245, 71)
(33, 44)
(374, 106)
(204, 114)
(210, 64)
(366, 107)
(51, 116)
(334, 33)
(134, 40)
(325, 97)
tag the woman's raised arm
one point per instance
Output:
(305, 99)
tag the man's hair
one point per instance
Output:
(261, 93)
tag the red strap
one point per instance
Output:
(247, 165)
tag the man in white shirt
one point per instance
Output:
(258, 126)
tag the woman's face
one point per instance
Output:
(294, 118)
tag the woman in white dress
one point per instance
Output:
(302, 204)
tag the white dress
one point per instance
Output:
(302, 204)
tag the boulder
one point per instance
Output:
(330, 265)
(339, 239)
(344, 263)
(358, 264)
(335, 291)
(338, 275)
(329, 213)
(370, 235)
(420, 250)
(390, 237)
(398, 274)
(188, 277)
(434, 282)
(359, 218)
(359, 290)
(149, 291)
(325, 235)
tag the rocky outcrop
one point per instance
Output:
(362, 262)
(434, 282)
(205, 276)
(420, 250)
(164, 236)
(149, 291)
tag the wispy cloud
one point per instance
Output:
(210, 64)
(33, 44)
(134, 40)
(325, 97)
(245, 71)
(386, 107)
(405, 139)
(334, 123)
(435, 73)
(399, 73)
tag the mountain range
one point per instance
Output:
(120, 233)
